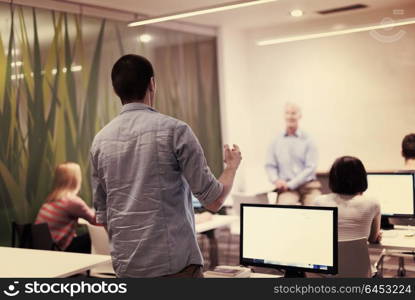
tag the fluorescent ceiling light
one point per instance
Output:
(296, 13)
(145, 38)
(197, 12)
(64, 70)
(76, 68)
(16, 64)
(335, 33)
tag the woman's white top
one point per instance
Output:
(355, 214)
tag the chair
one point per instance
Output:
(100, 245)
(354, 260)
(32, 236)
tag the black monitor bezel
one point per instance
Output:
(413, 193)
(330, 270)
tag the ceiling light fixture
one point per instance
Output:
(16, 64)
(335, 33)
(197, 12)
(296, 13)
(145, 38)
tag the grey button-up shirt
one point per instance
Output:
(144, 167)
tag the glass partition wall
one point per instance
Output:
(56, 93)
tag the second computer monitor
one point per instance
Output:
(394, 191)
(293, 238)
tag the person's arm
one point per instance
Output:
(271, 165)
(77, 208)
(375, 233)
(207, 189)
(310, 167)
(99, 195)
(232, 161)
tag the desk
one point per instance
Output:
(395, 239)
(263, 275)
(208, 228)
(217, 221)
(30, 263)
(393, 243)
(255, 275)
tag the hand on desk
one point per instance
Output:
(377, 239)
(281, 186)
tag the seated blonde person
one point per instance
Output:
(358, 216)
(63, 207)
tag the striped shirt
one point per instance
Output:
(355, 214)
(62, 215)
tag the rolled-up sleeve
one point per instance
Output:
(78, 208)
(98, 193)
(192, 161)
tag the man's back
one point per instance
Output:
(143, 163)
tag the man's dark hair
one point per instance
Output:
(348, 176)
(131, 76)
(408, 146)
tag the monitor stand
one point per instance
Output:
(294, 274)
(385, 224)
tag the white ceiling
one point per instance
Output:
(265, 15)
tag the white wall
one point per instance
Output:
(357, 94)
(232, 76)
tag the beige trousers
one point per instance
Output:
(303, 195)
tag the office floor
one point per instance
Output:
(229, 255)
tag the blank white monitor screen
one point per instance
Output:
(394, 191)
(292, 237)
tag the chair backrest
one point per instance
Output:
(100, 245)
(354, 260)
(32, 236)
(99, 240)
(253, 199)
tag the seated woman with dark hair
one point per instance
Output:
(358, 216)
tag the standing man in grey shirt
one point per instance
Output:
(145, 165)
(292, 161)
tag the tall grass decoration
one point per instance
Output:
(40, 113)
(49, 114)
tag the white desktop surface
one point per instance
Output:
(255, 275)
(263, 275)
(30, 263)
(397, 239)
(217, 221)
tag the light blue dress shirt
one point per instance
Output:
(144, 167)
(292, 158)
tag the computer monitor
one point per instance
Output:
(296, 239)
(394, 191)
